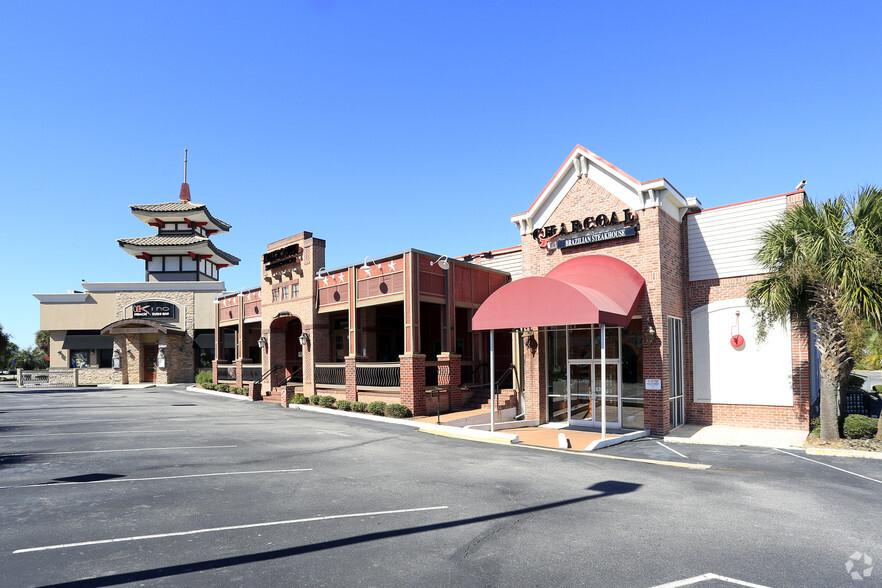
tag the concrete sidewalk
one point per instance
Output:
(722, 435)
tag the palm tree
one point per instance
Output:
(825, 263)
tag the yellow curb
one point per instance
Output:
(673, 464)
(843, 453)
(466, 437)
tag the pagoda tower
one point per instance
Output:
(181, 250)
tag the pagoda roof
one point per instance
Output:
(178, 211)
(175, 244)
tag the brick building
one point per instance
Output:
(631, 308)
(395, 328)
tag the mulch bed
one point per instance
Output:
(858, 444)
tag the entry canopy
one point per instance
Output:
(592, 289)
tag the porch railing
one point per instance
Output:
(250, 372)
(330, 374)
(226, 372)
(432, 373)
(378, 375)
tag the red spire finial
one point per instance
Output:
(185, 188)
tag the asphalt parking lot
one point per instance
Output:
(160, 486)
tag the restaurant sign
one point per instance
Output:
(281, 257)
(154, 309)
(592, 229)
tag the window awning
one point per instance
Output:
(87, 342)
(592, 289)
(205, 340)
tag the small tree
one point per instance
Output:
(825, 263)
(41, 340)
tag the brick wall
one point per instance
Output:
(654, 252)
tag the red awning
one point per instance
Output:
(592, 289)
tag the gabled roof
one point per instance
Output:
(177, 211)
(583, 163)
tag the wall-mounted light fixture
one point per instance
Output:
(367, 268)
(442, 262)
(304, 340)
(160, 358)
(117, 359)
(649, 335)
(261, 342)
(318, 275)
(530, 342)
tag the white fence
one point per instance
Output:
(48, 378)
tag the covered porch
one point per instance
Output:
(585, 358)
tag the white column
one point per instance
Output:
(603, 381)
(492, 383)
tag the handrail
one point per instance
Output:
(475, 368)
(268, 373)
(291, 377)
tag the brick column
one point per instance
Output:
(214, 371)
(413, 382)
(450, 377)
(351, 388)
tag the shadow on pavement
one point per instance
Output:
(603, 489)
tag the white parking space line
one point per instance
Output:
(706, 577)
(52, 484)
(126, 450)
(97, 433)
(230, 528)
(828, 466)
(669, 449)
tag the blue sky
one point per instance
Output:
(381, 126)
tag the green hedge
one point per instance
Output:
(358, 406)
(397, 411)
(203, 378)
(314, 399)
(376, 407)
(298, 399)
(858, 426)
(327, 401)
(343, 405)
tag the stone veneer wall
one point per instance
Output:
(179, 346)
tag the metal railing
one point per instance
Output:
(432, 373)
(48, 379)
(250, 372)
(378, 375)
(330, 374)
(474, 372)
(226, 372)
(269, 373)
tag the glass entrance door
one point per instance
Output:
(584, 395)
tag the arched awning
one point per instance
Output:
(592, 289)
(134, 326)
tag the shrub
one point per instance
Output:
(856, 381)
(314, 399)
(858, 426)
(327, 401)
(298, 399)
(358, 406)
(203, 378)
(376, 407)
(343, 405)
(223, 387)
(243, 391)
(878, 388)
(397, 411)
